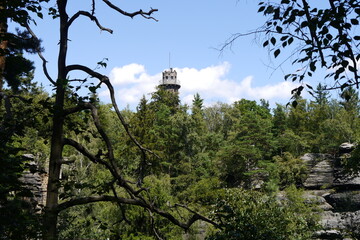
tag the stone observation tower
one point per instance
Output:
(169, 81)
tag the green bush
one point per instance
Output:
(249, 215)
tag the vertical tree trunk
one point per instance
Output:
(3, 44)
(51, 213)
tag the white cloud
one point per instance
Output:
(127, 74)
(132, 82)
(213, 85)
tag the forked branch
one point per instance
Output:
(92, 17)
(104, 79)
(146, 15)
(135, 199)
(135, 202)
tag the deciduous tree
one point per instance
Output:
(319, 35)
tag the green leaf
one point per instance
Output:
(279, 29)
(261, 9)
(344, 63)
(266, 43)
(326, 41)
(313, 66)
(300, 89)
(276, 53)
(309, 86)
(352, 69)
(294, 104)
(273, 40)
(354, 21)
(290, 40)
(304, 24)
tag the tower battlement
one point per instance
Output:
(169, 80)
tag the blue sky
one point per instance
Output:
(138, 50)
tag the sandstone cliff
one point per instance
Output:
(336, 192)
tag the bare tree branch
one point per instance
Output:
(93, 199)
(120, 205)
(184, 225)
(146, 15)
(230, 41)
(92, 17)
(135, 200)
(104, 79)
(153, 226)
(86, 153)
(40, 55)
(87, 70)
(93, 7)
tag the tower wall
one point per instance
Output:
(169, 80)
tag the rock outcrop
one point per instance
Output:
(35, 180)
(336, 192)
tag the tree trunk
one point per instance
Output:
(51, 212)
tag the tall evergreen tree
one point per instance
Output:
(13, 66)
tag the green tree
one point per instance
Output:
(279, 120)
(13, 66)
(320, 34)
(291, 170)
(22, 130)
(321, 95)
(250, 215)
(197, 102)
(350, 100)
(249, 140)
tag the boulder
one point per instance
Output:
(317, 197)
(321, 171)
(345, 181)
(346, 148)
(328, 234)
(348, 201)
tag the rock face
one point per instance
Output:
(321, 172)
(36, 181)
(337, 194)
